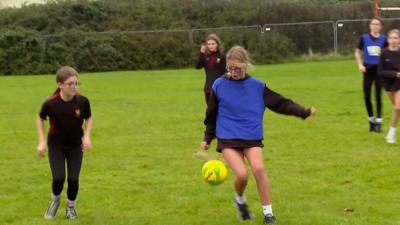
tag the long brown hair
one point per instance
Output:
(63, 74)
(215, 38)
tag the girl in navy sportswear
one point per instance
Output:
(367, 57)
(235, 117)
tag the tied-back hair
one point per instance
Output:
(215, 38)
(396, 31)
(238, 53)
(63, 74)
(376, 18)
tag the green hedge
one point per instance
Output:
(94, 35)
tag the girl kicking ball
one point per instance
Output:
(389, 70)
(235, 117)
(67, 111)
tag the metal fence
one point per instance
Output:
(339, 36)
(348, 32)
(299, 33)
(148, 49)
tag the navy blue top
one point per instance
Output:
(372, 48)
(240, 108)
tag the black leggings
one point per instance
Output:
(371, 76)
(57, 158)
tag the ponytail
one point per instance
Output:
(57, 91)
(62, 75)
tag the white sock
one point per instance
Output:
(392, 130)
(240, 199)
(55, 197)
(378, 120)
(371, 119)
(267, 209)
(70, 203)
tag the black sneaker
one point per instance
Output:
(371, 126)
(71, 213)
(378, 127)
(52, 210)
(269, 219)
(243, 210)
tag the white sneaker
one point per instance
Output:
(390, 138)
(52, 210)
(70, 213)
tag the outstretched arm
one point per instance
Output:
(282, 105)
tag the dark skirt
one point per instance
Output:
(237, 144)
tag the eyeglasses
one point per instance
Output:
(234, 69)
(73, 84)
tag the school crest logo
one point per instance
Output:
(77, 113)
(218, 60)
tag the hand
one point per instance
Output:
(362, 69)
(86, 143)
(204, 145)
(41, 149)
(313, 111)
(203, 48)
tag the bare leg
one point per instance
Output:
(391, 96)
(396, 111)
(235, 161)
(254, 155)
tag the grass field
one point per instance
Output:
(148, 124)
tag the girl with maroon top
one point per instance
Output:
(213, 61)
(389, 70)
(67, 111)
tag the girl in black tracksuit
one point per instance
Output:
(389, 70)
(213, 61)
(67, 111)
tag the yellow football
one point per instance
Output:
(214, 172)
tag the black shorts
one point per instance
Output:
(238, 144)
(391, 85)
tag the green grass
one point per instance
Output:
(148, 124)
